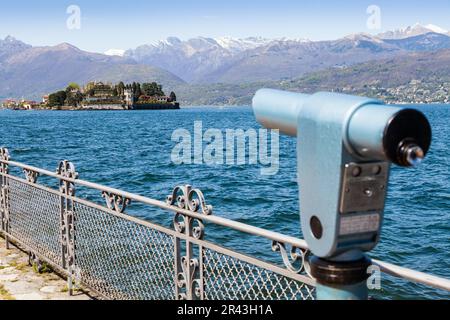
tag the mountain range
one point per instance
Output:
(412, 31)
(227, 60)
(32, 71)
(411, 78)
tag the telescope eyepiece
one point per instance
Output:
(407, 138)
(411, 154)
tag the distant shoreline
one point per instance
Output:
(149, 106)
(210, 106)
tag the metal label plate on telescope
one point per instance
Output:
(364, 187)
(355, 224)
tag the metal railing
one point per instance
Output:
(119, 256)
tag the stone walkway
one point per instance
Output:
(19, 281)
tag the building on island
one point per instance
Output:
(19, 105)
(155, 102)
(105, 96)
(28, 104)
(129, 98)
(10, 104)
(99, 95)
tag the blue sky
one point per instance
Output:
(127, 24)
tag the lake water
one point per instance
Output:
(131, 150)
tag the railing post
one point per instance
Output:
(5, 219)
(188, 268)
(66, 169)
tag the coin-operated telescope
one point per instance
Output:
(345, 147)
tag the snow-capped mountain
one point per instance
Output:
(228, 45)
(115, 52)
(205, 60)
(412, 31)
(239, 45)
(437, 29)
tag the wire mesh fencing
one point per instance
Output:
(98, 246)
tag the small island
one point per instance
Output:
(102, 96)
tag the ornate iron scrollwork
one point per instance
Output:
(4, 202)
(4, 154)
(116, 202)
(179, 223)
(4, 167)
(189, 278)
(190, 199)
(66, 169)
(297, 259)
(31, 175)
(193, 200)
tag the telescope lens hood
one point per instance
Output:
(407, 137)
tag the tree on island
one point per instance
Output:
(138, 91)
(121, 89)
(152, 89)
(173, 97)
(74, 99)
(73, 86)
(57, 99)
(73, 95)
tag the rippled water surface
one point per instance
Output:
(131, 150)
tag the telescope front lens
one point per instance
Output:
(414, 155)
(407, 138)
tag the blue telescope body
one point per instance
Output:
(345, 147)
